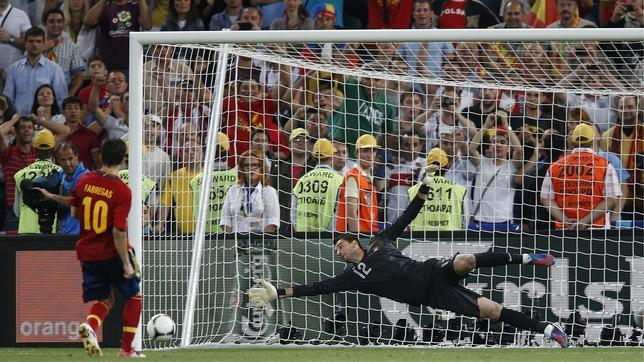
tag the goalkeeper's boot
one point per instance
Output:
(90, 342)
(557, 334)
(130, 354)
(541, 259)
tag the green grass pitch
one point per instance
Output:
(287, 354)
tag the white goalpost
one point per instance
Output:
(199, 100)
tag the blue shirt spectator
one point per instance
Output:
(68, 224)
(32, 71)
(226, 18)
(622, 173)
(412, 52)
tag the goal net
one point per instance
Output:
(252, 153)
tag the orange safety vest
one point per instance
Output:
(368, 204)
(578, 184)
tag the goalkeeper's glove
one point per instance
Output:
(264, 295)
(430, 170)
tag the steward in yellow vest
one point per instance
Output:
(315, 196)
(444, 208)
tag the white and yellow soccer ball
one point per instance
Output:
(161, 328)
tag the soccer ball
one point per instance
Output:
(161, 328)
(638, 317)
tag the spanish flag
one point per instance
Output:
(542, 14)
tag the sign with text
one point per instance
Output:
(49, 303)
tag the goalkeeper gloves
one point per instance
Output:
(264, 295)
(429, 174)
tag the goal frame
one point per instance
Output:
(136, 56)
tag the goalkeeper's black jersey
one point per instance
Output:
(384, 270)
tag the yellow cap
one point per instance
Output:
(297, 133)
(44, 140)
(583, 133)
(223, 141)
(437, 155)
(323, 149)
(366, 141)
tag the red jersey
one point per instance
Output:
(13, 160)
(103, 202)
(86, 142)
(84, 93)
(240, 117)
(452, 15)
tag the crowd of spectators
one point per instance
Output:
(324, 151)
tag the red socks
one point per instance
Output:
(131, 316)
(97, 313)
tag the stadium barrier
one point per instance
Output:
(600, 274)
(42, 296)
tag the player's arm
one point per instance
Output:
(63, 200)
(120, 242)
(119, 229)
(267, 293)
(412, 210)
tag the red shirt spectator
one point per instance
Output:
(84, 93)
(452, 15)
(396, 14)
(87, 144)
(246, 111)
(14, 158)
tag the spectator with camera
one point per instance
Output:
(491, 101)
(35, 213)
(229, 16)
(13, 158)
(250, 19)
(624, 14)
(72, 170)
(493, 191)
(447, 115)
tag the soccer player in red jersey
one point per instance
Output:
(101, 201)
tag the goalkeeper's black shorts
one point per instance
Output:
(446, 292)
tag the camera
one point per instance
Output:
(34, 199)
(446, 102)
(629, 8)
(245, 26)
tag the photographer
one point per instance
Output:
(446, 117)
(73, 169)
(35, 213)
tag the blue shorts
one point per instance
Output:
(99, 276)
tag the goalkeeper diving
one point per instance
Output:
(381, 269)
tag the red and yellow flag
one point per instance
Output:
(542, 14)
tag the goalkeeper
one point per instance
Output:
(383, 270)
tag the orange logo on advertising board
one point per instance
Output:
(49, 303)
